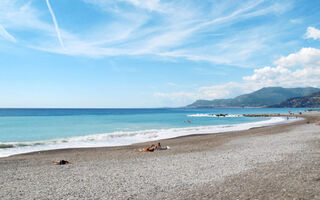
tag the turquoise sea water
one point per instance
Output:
(25, 130)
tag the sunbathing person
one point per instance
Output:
(61, 162)
(150, 149)
(158, 146)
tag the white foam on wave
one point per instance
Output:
(125, 138)
(213, 115)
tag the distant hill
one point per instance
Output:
(310, 101)
(261, 98)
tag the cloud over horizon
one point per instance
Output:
(299, 69)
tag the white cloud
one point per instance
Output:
(307, 57)
(4, 33)
(279, 76)
(267, 74)
(312, 33)
(306, 74)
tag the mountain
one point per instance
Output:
(261, 98)
(310, 101)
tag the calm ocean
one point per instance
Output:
(27, 130)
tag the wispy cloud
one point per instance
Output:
(307, 73)
(176, 36)
(55, 23)
(22, 16)
(168, 29)
(115, 5)
(149, 5)
(4, 33)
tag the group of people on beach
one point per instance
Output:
(153, 147)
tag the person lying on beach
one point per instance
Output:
(159, 147)
(153, 147)
(149, 149)
(61, 162)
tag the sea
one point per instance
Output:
(30, 130)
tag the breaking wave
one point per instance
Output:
(126, 138)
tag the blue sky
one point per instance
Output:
(153, 53)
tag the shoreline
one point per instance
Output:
(274, 162)
(169, 141)
(207, 132)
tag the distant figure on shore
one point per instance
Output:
(61, 162)
(148, 149)
(222, 115)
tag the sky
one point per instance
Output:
(153, 53)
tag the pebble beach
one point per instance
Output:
(276, 162)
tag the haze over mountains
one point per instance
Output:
(264, 97)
